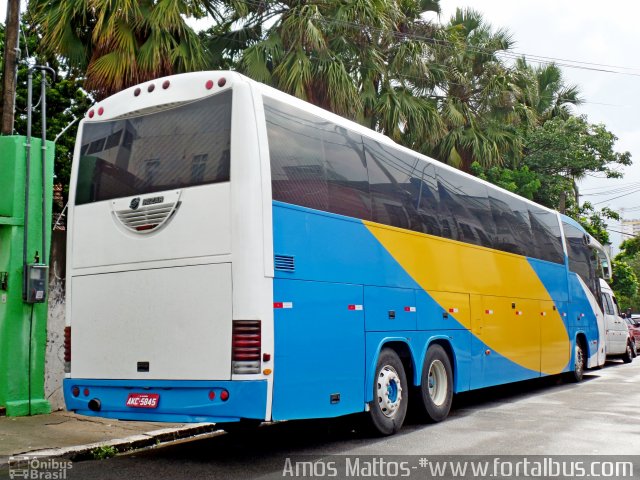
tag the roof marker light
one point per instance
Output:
(209, 84)
(166, 84)
(91, 113)
(136, 92)
(222, 82)
(100, 111)
(151, 88)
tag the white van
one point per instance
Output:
(617, 340)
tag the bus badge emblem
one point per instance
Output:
(135, 203)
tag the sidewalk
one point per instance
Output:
(65, 434)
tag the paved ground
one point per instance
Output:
(65, 433)
(600, 416)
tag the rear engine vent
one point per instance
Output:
(147, 213)
(285, 263)
(246, 346)
(145, 218)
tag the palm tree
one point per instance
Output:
(121, 42)
(545, 91)
(358, 59)
(477, 97)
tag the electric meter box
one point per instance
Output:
(37, 282)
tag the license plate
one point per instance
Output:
(143, 400)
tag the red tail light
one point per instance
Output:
(246, 342)
(67, 349)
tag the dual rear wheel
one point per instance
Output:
(391, 390)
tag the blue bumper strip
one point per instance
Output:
(180, 401)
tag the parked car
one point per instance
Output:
(634, 330)
(618, 343)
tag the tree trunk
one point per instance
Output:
(562, 207)
(11, 37)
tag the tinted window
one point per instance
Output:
(315, 163)
(608, 304)
(466, 202)
(506, 223)
(424, 191)
(546, 235)
(346, 170)
(390, 173)
(318, 164)
(580, 257)
(156, 151)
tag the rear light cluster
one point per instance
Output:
(246, 341)
(67, 349)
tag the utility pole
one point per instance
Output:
(9, 77)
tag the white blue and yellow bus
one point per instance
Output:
(235, 253)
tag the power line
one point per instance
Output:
(569, 63)
(619, 196)
(606, 186)
(622, 233)
(611, 191)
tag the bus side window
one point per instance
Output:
(389, 181)
(424, 190)
(580, 257)
(297, 163)
(346, 168)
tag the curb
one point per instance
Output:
(121, 445)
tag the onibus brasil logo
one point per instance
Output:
(38, 468)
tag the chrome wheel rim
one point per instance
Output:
(389, 391)
(579, 360)
(437, 382)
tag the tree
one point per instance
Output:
(121, 43)
(479, 101)
(629, 248)
(521, 181)
(594, 221)
(625, 283)
(544, 93)
(362, 60)
(564, 150)
(628, 259)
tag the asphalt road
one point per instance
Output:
(600, 416)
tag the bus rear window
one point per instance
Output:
(178, 147)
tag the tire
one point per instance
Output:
(628, 354)
(436, 386)
(634, 349)
(579, 363)
(388, 408)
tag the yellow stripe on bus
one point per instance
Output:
(524, 334)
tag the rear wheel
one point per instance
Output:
(390, 394)
(579, 363)
(436, 389)
(628, 354)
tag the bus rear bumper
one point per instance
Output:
(178, 401)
